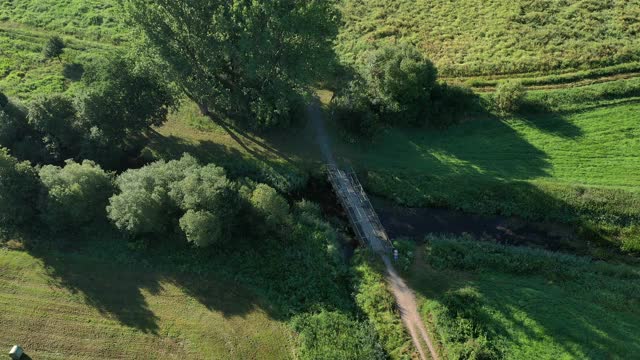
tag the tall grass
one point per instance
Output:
(489, 37)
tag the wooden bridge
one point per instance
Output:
(364, 219)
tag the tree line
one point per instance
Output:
(179, 199)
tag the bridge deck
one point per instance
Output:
(363, 218)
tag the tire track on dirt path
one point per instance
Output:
(406, 301)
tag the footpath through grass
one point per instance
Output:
(516, 303)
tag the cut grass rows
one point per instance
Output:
(52, 320)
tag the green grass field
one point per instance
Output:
(528, 314)
(480, 37)
(72, 306)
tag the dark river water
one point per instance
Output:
(416, 223)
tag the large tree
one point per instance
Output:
(250, 59)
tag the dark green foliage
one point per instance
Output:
(53, 48)
(75, 195)
(104, 119)
(451, 103)
(508, 97)
(583, 97)
(462, 320)
(400, 80)
(468, 324)
(466, 254)
(54, 120)
(19, 188)
(250, 60)
(395, 85)
(333, 335)
(4, 100)
(269, 204)
(162, 197)
(118, 102)
(13, 125)
(352, 109)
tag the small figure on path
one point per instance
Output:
(395, 255)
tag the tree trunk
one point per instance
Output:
(204, 109)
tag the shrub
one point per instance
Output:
(53, 48)
(400, 81)
(352, 110)
(270, 204)
(201, 201)
(53, 117)
(19, 187)
(75, 195)
(509, 96)
(201, 228)
(143, 205)
(11, 128)
(333, 335)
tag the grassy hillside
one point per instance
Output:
(475, 37)
(85, 19)
(70, 306)
(515, 303)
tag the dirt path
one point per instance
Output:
(405, 299)
(408, 307)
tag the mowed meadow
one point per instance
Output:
(78, 307)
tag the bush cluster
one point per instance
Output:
(64, 198)
(104, 121)
(74, 195)
(395, 85)
(195, 201)
(334, 335)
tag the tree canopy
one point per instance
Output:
(53, 48)
(74, 195)
(400, 81)
(19, 188)
(201, 200)
(251, 60)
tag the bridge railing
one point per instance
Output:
(355, 187)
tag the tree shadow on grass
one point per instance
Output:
(523, 312)
(118, 290)
(253, 276)
(538, 115)
(257, 164)
(111, 289)
(582, 328)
